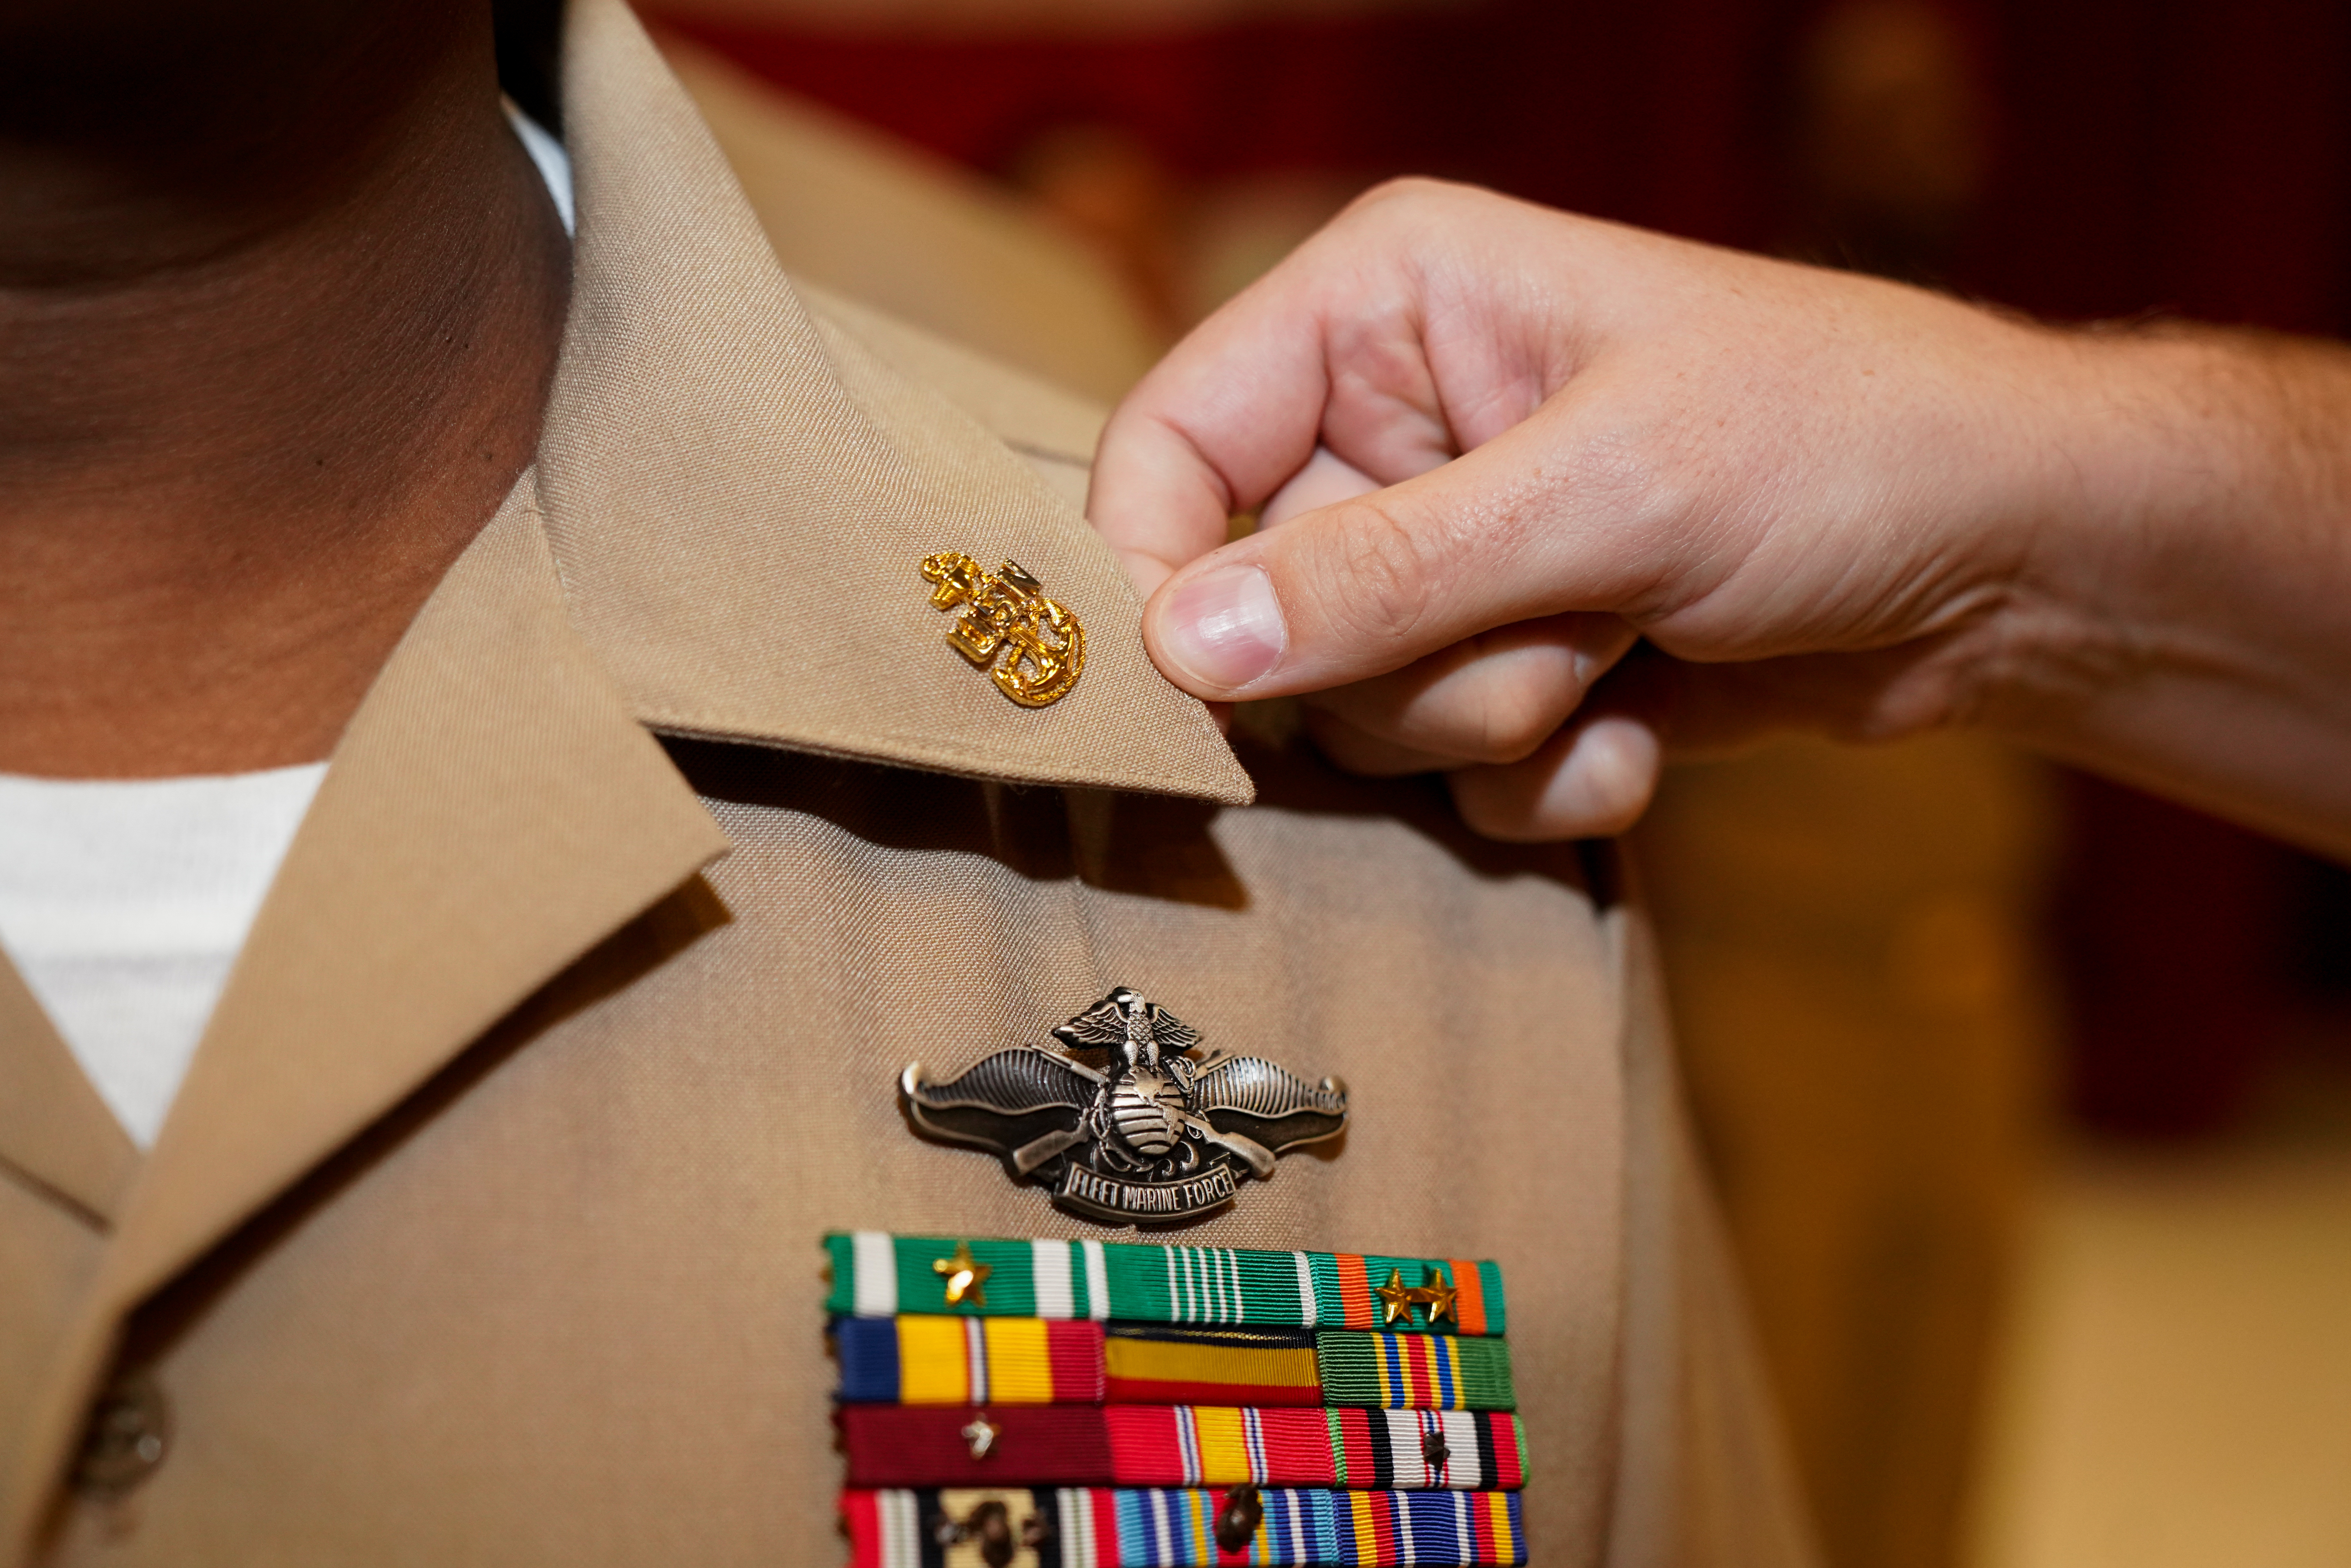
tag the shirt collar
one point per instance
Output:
(740, 495)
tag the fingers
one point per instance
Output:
(1325, 481)
(1334, 345)
(1238, 408)
(1502, 704)
(1592, 779)
(1358, 751)
(1214, 428)
(1533, 523)
(1492, 698)
(1596, 774)
(1407, 332)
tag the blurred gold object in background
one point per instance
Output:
(2175, 1388)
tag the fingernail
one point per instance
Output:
(1224, 629)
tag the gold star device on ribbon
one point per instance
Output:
(1006, 613)
(1438, 1297)
(1398, 1299)
(966, 1277)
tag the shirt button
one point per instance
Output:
(129, 1432)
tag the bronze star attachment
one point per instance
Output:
(1237, 1522)
(966, 1276)
(1396, 1298)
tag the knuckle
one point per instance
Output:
(1410, 203)
(1592, 790)
(1633, 468)
(1639, 478)
(1607, 784)
(1399, 189)
(1615, 804)
(1375, 579)
(1515, 716)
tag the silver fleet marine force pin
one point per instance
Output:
(1126, 1123)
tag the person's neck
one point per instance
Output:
(242, 440)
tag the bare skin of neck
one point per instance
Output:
(267, 364)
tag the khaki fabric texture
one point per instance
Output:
(56, 1131)
(863, 214)
(484, 1228)
(1053, 431)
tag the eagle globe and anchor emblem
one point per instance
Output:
(1127, 1123)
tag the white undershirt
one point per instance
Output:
(124, 902)
(548, 156)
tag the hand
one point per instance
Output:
(1496, 446)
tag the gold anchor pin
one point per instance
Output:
(1006, 613)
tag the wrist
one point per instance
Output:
(2180, 515)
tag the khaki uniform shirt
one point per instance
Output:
(484, 1228)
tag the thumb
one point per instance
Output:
(1371, 582)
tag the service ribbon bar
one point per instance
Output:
(1415, 1372)
(970, 1360)
(1088, 1527)
(877, 1275)
(953, 1361)
(1146, 1364)
(1183, 1445)
(1196, 1446)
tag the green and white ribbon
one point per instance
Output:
(876, 1274)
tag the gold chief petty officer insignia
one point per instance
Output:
(1006, 613)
